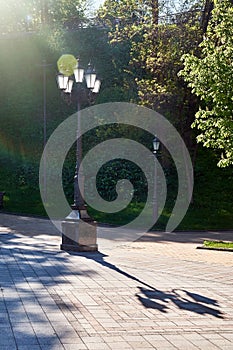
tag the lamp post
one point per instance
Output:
(75, 236)
(44, 65)
(156, 145)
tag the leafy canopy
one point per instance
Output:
(155, 38)
(24, 15)
(210, 77)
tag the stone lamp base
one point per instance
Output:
(79, 235)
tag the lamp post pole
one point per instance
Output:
(44, 65)
(77, 234)
(78, 199)
(156, 144)
(66, 84)
(45, 125)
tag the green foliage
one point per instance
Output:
(212, 204)
(28, 15)
(211, 207)
(67, 12)
(115, 14)
(48, 19)
(153, 53)
(20, 183)
(210, 78)
(218, 244)
(116, 170)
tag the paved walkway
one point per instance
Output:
(157, 293)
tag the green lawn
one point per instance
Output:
(218, 244)
(211, 207)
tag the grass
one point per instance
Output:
(211, 207)
(218, 244)
(20, 184)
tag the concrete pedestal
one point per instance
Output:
(79, 236)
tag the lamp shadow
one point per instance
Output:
(183, 299)
(153, 298)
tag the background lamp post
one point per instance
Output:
(77, 234)
(156, 145)
(44, 66)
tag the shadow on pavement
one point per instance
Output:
(151, 297)
(27, 225)
(29, 301)
(186, 237)
(184, 300)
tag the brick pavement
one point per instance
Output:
(157, 293)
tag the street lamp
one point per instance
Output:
(62, 81)
(90, 77)
(67, 85)
(156, 145)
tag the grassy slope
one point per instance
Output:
(212, 200)
(211, 208)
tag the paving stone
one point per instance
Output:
(97, 346)
(29, 347)
(119, 345)
(161, 295)
(74, 346)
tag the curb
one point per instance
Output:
(217, 249)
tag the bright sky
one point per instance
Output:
(97, 3)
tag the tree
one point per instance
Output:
(156, 38)
(70, 13)
(210, 77)
(208, 8)
(31, 14)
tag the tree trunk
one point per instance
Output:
(44, 11)
(155, 11)
(206, 16)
